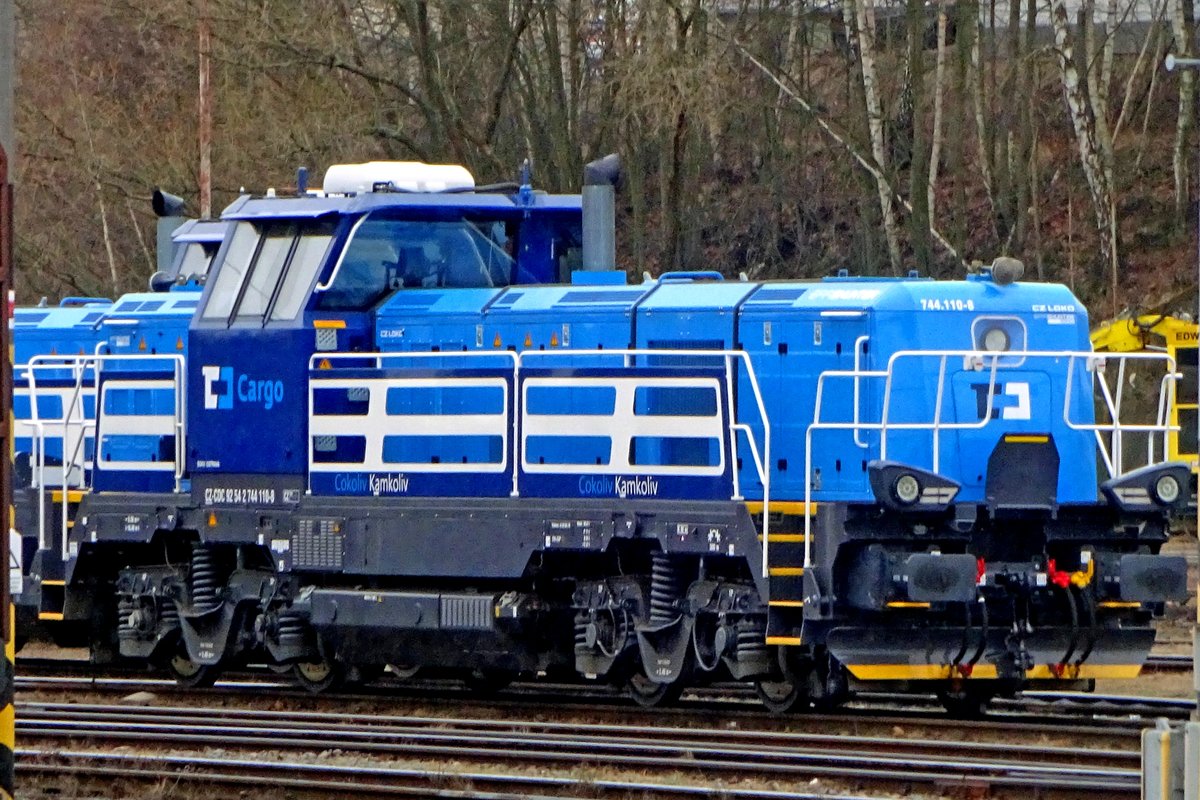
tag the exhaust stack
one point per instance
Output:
(599, 213)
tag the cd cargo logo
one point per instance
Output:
(221, 389)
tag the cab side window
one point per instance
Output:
(239, 254)
(268, 270)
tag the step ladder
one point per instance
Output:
(53, 584)
(785, 569)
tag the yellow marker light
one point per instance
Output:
(554, 340)
(324, 364)
(496, 342)
(142, 344)
(528, 340)
(212, 519)
(179, 343)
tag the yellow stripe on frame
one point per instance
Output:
(784, 640)
(777, 538)
(50, 615)
(786, 603)
(1026, 439)
(785, 572)
(1083, 671)
(790, 507)
(329, 323)
(73, 495)
(906, 604)
(7, 716)
(917, 672)
(1119, 604)
(51, 582)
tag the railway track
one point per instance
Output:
(656, 760)
(1054, 712)
(1169, 663)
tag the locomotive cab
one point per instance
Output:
(305, 276)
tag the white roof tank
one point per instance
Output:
(407, 176)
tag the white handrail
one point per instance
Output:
(978, 360)
(761, 459)
(762, 468)
(81, 365)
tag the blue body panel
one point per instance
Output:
(55, 331)
(796, 332)
(566, 317)
(151, 323)
(792, 333)
(684, 315)
(428, 319)
(247, 401)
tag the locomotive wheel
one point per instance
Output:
(648, 694)
(190, 674)
(781, 696)
(319, 676)
(402, 672)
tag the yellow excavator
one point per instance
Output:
(1178, 337)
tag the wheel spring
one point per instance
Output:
(126, 631)
(751, 642)
(204, 579)
(168, 613)
(665, 589)
(291, 629)
(581, 632)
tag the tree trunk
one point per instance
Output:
(864, 27)
(981, 126)
(918, 229)
(1183, 122)
(1090, 159)
(939, 89)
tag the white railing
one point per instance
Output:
(75, 428)
(620, 427)
(324, 424)
(979, 361)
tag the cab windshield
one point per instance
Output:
(384, 255)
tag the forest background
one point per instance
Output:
(776, 138)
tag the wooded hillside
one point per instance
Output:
(772, 137)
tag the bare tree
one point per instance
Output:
(1181, 26)
(1084, 129)
(939, 93)
(860, 17)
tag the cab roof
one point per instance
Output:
(248, 207)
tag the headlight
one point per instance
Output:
(1166, 489)
(907, 489)
(995, 340)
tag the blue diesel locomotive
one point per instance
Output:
(404, 427)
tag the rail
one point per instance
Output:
(1112, 451)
